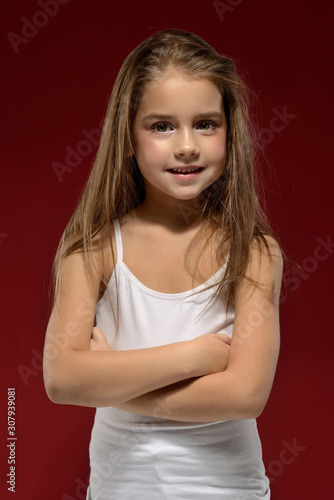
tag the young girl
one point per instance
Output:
(169, 254)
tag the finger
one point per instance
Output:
(98, 341)
(92, 345)
(98, 335)
(224, 337)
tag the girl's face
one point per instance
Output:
(180, 137)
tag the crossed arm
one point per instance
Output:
(202, 380)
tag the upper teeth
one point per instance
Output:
(184, 171)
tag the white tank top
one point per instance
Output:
(146, 458)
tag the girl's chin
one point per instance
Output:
(187, 195)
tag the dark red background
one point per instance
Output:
(55, 87)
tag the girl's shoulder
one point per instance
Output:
(94, 264)
(104, 255)
(265, 244)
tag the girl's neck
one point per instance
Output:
(177, 215)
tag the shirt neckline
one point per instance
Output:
(170, 296)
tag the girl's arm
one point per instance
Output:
(242, 390)
(74, 374)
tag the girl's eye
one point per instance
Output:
(206, 125)
(162, 127)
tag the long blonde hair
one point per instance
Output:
(115, 185)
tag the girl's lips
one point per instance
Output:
(185, 173)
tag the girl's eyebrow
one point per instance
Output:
(214, 115)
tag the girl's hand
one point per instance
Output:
(211, 352)
(98, 341)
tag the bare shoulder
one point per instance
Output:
(96, 266)
(265, 252)
(104, 252)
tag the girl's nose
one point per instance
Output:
(186, 144)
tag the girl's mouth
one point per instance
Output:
(185, 173)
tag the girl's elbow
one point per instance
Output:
(250, 402)
(53, 394)
(60, 380)
(52, 388)
(254, 404)
(54, 385)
